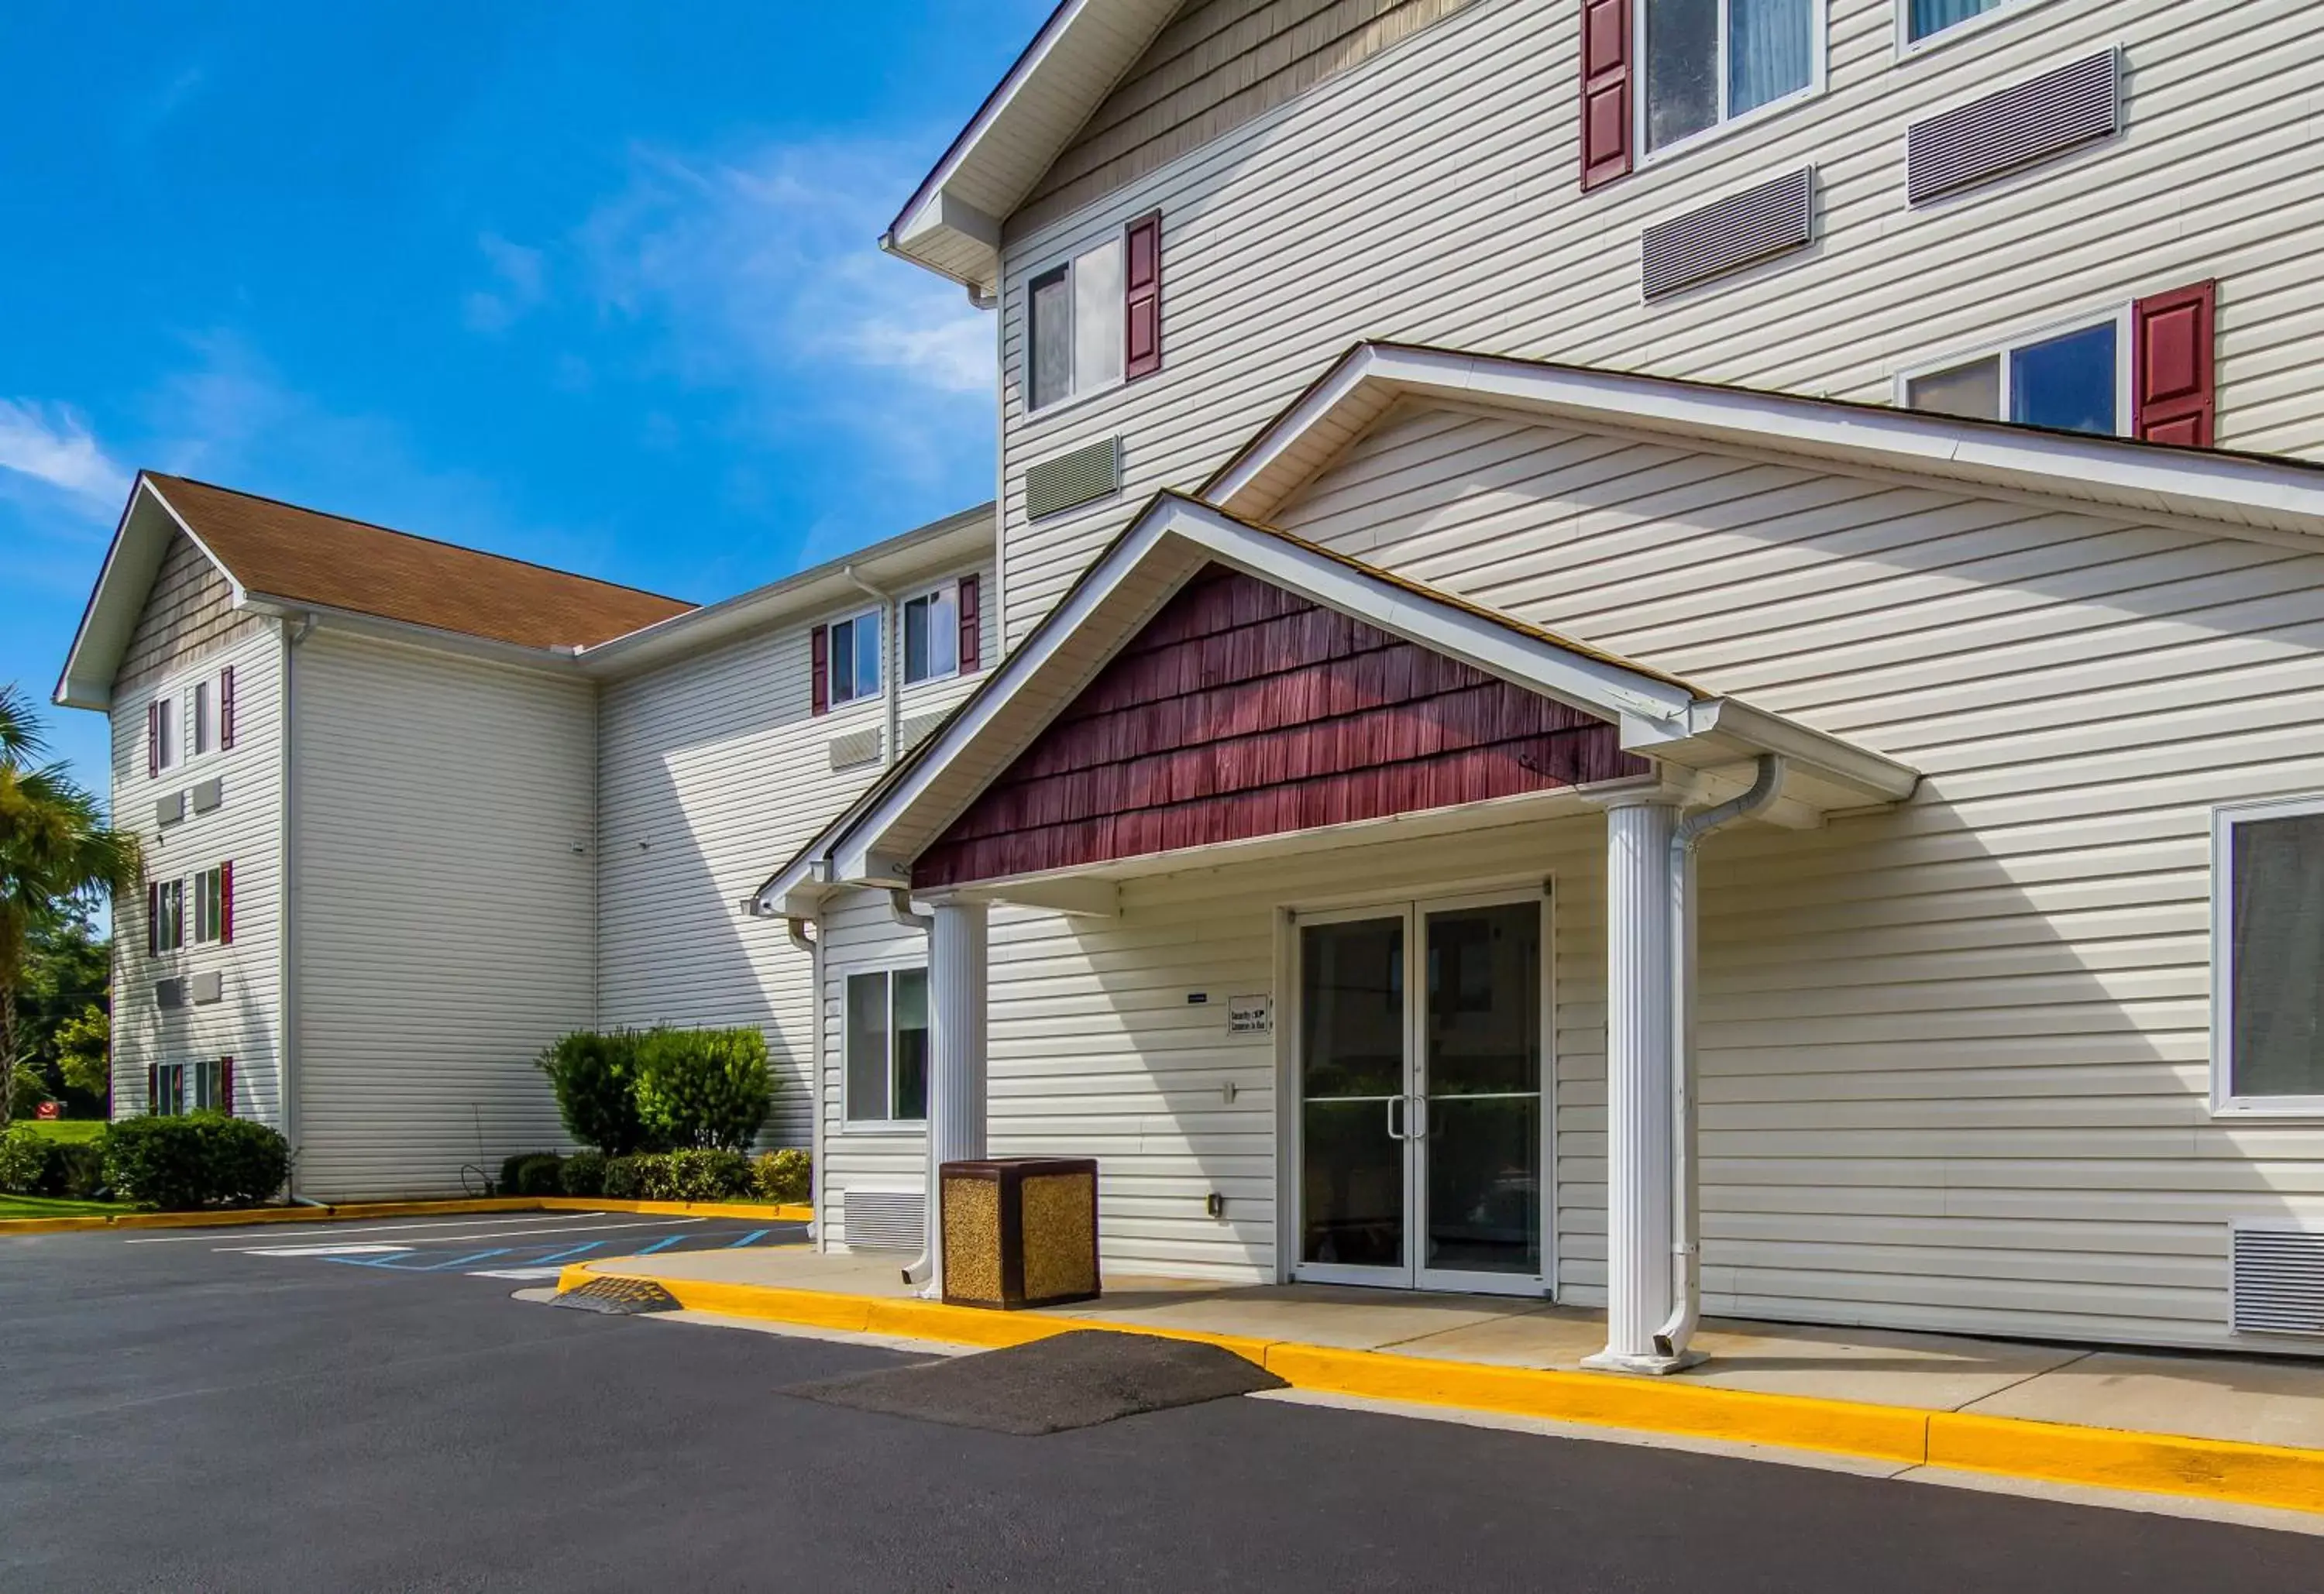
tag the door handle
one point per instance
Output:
(1394, 1133)
(1420, 1102)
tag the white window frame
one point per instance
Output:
(205, 1083)
(204, 917)
(1909, 48)
(167, 732)
(163, 914)
(169, 1084)
(2125, 421)
(849, 1121)
(870, 617)
(944, 592)
(1820, 42)
(2224, 1103)
(201, 719)
(1070, 259)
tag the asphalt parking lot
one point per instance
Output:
(230, 1412)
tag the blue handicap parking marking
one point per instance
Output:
(543, 1258)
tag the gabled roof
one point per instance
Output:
(280, 557)
(952, 223)
(2212, 490)
(1677, 722)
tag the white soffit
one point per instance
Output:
(139, 543)
(952, 223)
(2219, 492)
(1666, 718)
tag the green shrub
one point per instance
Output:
(708, 1175)
(76, 1170)
(180, 1164)
(506, 1185)
(584, 1173)
(538, 1175)
(23, 1159)
(704, 1088)
(595, 1080)
(625, 1178)
(782, 1175)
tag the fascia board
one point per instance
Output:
(403, 633)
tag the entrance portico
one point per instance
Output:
(1216, 697)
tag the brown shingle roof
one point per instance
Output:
(307, 556)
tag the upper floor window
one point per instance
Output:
(888, 1046)
(188, 722)
(160, 735)
(1709, 61)
(165, 915)
(2072, 380)
(2267, 948)
(856, 658)
(1095, 320)
(201, 719)
(932, 634)
(1924, 17)
(214, 904)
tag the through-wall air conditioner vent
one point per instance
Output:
(169, 993)
(2060, 110)
(2278, 1281)
(1070, 480)
(1727, 234)
(883, 1220)
(170, 809)
(915, 731)
(856, 749)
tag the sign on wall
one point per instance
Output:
(1250, 1015)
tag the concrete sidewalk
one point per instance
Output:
(2250, 1431)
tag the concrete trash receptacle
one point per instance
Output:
(1019, 1232)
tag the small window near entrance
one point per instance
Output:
(888, 1046)
(2267, 950)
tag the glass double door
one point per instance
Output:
(1420, 1133)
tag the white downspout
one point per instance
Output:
(923, 1268)
(891, 688)
(1687, 1217)
(813, 946)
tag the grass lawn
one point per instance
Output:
(72, 1131)
(41, 1206)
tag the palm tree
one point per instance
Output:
(56, 851)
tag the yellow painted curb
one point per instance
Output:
(2103, 1458)
(784, 1213)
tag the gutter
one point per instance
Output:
(1686, 1208)
(890, 660)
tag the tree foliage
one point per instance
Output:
(83, 1049)
(57, 856)
(704, 1089)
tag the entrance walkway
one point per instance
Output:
(2273, 1402)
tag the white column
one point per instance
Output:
(1639, 946)
(956, 978)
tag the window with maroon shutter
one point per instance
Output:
(1606, 120)
(152, 1088)
(152, 919)
(152, 739)
(225, 901)
(226, 1086)
(225, 709)
(972, 624)
(1142, 298)
(2172, 337)
(819, 670)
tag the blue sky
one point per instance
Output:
(593, 284)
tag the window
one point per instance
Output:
(856, 658)
(888, 1046)
(1709, 61)
(2268, 956)
(165, 915)
(1924, 17)
(160, 735)
(212, 1084)
(214, 904)
(169, 1089)
(932, 634)
(201, 720)
(1077, 330)
(2072, 380)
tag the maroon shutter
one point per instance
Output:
(1142, 281)
(152, 919)
(971, 626)
(226, 1086)
(225, 901)
(152, 738)
(1605, 91)
(2172, 339)
(819, 670)
(226, 708)
(152, 1087)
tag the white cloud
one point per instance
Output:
(523, 285)
(767, 271)
(52, 442)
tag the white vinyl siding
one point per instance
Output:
(443, 813)
(1485, 242)
(712, 772)
(860, 934)
(245, 1023)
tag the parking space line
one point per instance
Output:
(523, 1233)
(661, 1244)
(350, 1228)
(736, 1244)
(586, 1246)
